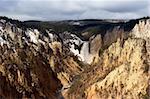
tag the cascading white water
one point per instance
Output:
(87, 57)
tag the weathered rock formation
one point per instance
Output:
(113, 63)
(122, 71)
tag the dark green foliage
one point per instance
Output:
(15, 22)
(93, 26)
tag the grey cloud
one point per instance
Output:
(127, 6)
(73, 9)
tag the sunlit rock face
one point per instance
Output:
(24, 67)
(142, 29)
(33, 64)
(113, 63)
(129, 75)
(122, 71)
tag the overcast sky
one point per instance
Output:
(74, 9)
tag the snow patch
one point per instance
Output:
(2, 41)
(34, 35)
(1, 29)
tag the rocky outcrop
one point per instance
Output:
(128, 74)
(142, 29)
(25, 75)
(32, 64)
(122, 71)
(113, 63)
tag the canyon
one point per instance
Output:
(82, 59)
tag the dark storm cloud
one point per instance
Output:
(73, 9)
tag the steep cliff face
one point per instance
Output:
(142, 29)
(127, 73)
(25, 71)
(122, 71)
(33, 64)
(113, 63)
